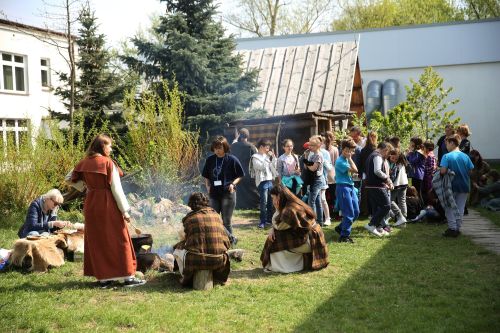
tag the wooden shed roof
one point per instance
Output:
(309, 78)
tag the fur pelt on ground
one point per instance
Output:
(39, 255)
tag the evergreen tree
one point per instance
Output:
(191, 49)
(97, 86)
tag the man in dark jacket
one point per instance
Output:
(246, 192)
(441, 144)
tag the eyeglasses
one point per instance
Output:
(55, 202)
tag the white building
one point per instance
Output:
(465, 54)
(29, 63)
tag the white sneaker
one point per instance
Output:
(373, 230)
(400, 221)
(382, 232)
(327, 222)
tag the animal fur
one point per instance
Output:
(39, 255)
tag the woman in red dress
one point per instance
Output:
(108, 255)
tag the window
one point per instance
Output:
(45, 71)
(13, 72)
(14, 131)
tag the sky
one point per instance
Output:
(118, 19)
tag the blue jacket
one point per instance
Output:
(36, 220)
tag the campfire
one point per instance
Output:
(160, 221)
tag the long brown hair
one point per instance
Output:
(329, 139)
(285, 196)
(97, 145)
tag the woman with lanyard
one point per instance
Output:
(222, 172)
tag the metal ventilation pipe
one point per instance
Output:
(390, 94)
(373, 98)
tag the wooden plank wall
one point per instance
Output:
(307, 78)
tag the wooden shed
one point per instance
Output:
(305, 90)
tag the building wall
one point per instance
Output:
(477, 88)
(33, 103)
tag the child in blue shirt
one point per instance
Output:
(347, 197)
(461, 165)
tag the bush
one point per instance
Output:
(157, 145)
(39, 164)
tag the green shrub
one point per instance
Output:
(39, 164)
(157, 145)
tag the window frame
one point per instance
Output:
(13, 64)
(47, 69)
(4, 129)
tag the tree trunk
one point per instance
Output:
(71, 54)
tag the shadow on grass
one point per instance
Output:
(417, 282)
(159, 283)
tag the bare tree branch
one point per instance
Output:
(272, 17)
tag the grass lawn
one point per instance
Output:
(412, 281)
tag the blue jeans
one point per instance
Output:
(266, 202)
(314, 199)
(224, 205)
(349, 206)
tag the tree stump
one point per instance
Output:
(203, 280)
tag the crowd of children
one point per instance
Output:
(362, 176)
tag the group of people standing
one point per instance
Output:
(367, 177)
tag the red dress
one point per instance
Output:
(108, 251)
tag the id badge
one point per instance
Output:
(217, 182)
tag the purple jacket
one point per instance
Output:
(417, 162)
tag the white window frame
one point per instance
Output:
(47, 69)
(16, 129)
(13, 64)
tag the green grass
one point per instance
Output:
(491, 215)
(412, 281)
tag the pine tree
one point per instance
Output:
(194, 52)
(97, 86)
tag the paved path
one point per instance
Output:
(482, 231)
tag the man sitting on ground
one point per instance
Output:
(205, 244)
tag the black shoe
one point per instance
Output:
(134, 282)
(338, 229)
(105, 284)
(345, 239)
(234, 241)
(451, 233)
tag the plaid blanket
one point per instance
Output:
(302, 229)
(442, 187)
(207, 244)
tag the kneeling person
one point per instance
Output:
(296, 241)
(206, 242)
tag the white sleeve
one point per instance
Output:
(117, 190)
(377, 167)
